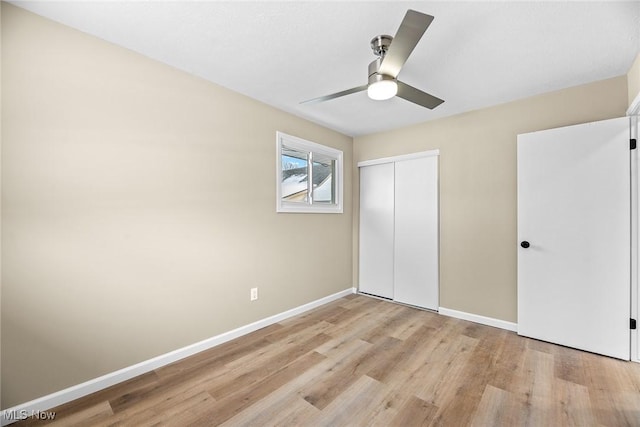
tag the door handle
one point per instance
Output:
(525, 244)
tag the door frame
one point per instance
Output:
(633, 113)
(399, 158)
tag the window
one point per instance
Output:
(309, 176)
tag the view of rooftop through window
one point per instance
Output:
(295, 176)
(309, 176)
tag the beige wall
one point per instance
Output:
(138, 208)
(633, 80)
(478, 245)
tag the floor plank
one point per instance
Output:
(362, 361)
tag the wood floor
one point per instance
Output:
(360, 361)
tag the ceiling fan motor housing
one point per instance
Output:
(374, 76)
(380, 86)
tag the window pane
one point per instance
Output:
(294, 175)
(309, 178)
(323, 172)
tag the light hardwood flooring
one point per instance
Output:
(360, 361)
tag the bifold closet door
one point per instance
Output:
(416, 232)
(376, 229)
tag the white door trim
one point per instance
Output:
(399, 158)
(634, 107)
(633, 112)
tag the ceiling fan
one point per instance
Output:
(392, 53)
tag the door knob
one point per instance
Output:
(525, 244)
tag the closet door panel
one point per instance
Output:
(376, 229)
(416, 232)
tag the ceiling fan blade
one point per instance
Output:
(335, 95)
(411, 30)
(417, 96)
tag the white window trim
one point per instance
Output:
(304, 145)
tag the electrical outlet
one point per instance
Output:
(254, 294)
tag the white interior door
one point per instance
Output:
(416, 232)
(376, 229)
(574, 211)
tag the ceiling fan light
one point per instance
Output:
(383, 89)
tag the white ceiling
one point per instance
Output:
(474, 54)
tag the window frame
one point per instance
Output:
(299, 144)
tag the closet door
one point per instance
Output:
(376, 229)
(416, 232)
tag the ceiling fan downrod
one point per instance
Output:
(379, 44)
(380, 86)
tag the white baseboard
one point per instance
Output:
(42, 404)
(489, 321)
